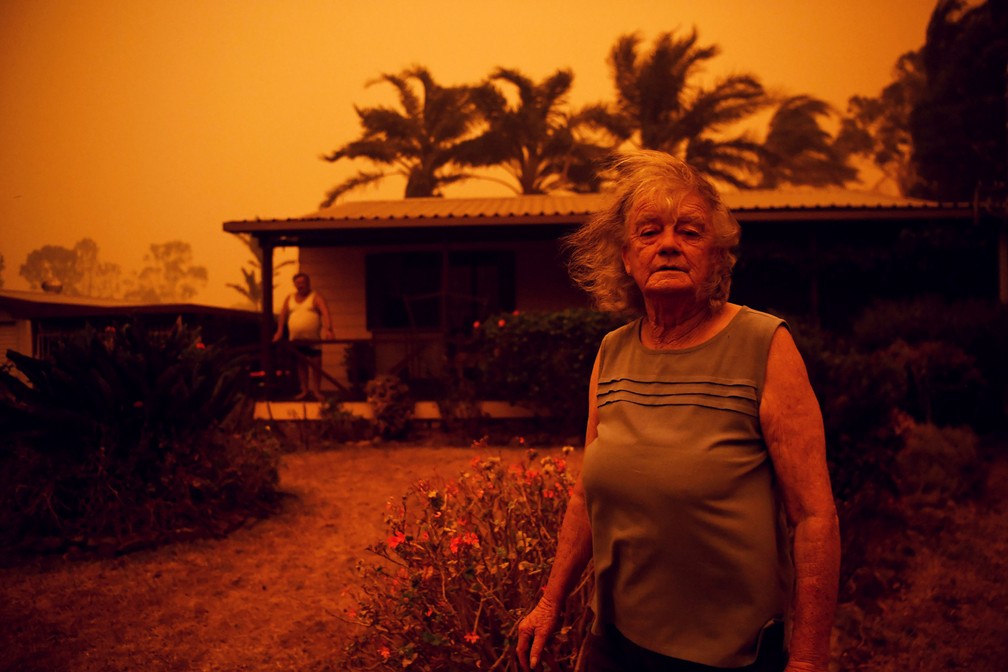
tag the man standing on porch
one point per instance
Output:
(306, 317)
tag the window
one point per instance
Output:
(405, 289)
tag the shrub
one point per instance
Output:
(391, 404)
(857, 392)
(458, 404)
(963, 333)
(126, 439)
(542, 361)
(936, 464)
(464, 560)
(944, 384)
(341, 425)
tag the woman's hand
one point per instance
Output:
(534, 630)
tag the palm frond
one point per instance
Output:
(361, 179)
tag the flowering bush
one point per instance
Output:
(542, 360)
(463, 561)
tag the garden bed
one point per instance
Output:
(273, 594)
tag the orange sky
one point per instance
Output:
(142, 122)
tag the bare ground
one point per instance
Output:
(271, 595)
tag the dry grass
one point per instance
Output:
(949, 613)
(271, 595)
(268, 597)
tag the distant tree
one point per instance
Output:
(2, 267)
(661, 105)
(98, 279)
(532, 135)
(77, 271)
(169, 275)
(419, 142)
(938, 130)
(53, 265)
(879, 128)
(252, 289)
(797, 150)
(958, 125)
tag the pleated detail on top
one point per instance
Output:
(719, 393)
(690, 553)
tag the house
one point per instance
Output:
(405, 275)
(31, 321)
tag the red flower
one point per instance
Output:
(501, 322)
(471, 637)
(396, 539)
(467, 539)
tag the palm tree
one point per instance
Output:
(252, 289)
(659, 105)
(534, 138)
(798, 151)
(418, 142)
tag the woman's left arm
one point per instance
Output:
(793, 431)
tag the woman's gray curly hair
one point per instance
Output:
(595, 249)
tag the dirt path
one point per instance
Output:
(268, 597)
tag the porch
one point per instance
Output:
(394, 271)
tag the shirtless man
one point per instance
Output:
(307, 318)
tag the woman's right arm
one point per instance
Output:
(574, 549)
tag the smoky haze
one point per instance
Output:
(142, 123)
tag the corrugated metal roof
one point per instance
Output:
(486, 207)
(63, 299)
(44, 303)
(579, 204)
(756, 205)
(795, 199)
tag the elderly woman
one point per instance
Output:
(704, 499)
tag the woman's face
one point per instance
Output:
(668, 249)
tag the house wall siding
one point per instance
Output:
(541, 281)
(338, 273)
